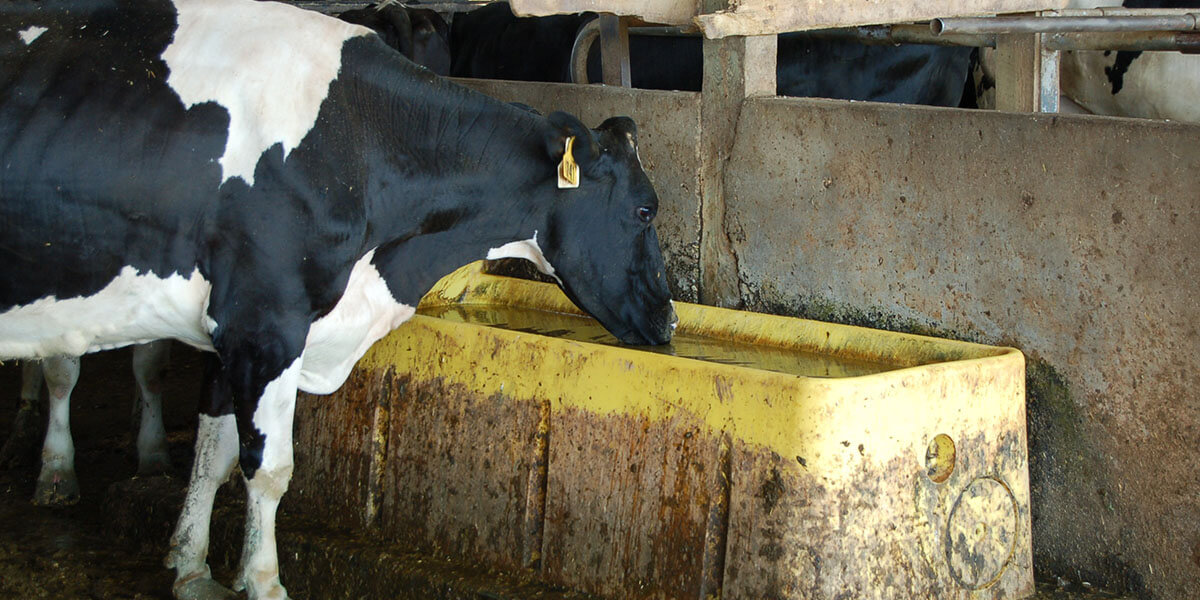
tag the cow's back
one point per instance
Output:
(129, 151)
(103, 167)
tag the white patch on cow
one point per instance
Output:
(632, 144)
(32, 33)
(273, 417)
(216, 454)
(526, 249)
(132, 309)
(366, 312)
(268, 64)
(1157, 85)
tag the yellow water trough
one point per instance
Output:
(755, 457)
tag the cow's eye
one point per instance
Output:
(645, 213)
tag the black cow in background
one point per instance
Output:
(418, 33)
(492, 43)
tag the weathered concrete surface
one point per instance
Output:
(669, 145)
(1072, 238)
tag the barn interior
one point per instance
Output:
(1068, 237)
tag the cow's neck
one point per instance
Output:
(460, 175)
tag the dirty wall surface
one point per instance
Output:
(1072, 238)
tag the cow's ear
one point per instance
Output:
(623, 128)
(584, 149)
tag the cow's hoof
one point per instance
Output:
(56, 489)
(202, 588)
(154, 464)
(262, 586)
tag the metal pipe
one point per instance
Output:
(1185, 42)
(1116, 11)
(587, 35)
(905, 34)
(1004, 25)
(680, 31)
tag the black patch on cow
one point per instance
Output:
(441, 220)
(1120, 66)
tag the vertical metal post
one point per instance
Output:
(735, 68)
(1048, 84)
(614, 50)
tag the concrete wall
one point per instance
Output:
(1072, 238)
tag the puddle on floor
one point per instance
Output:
(586, 329)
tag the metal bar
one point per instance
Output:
(588, 34)
(887, 35)
(1007, 25)
(1188, 43)
(1117, 11)
(1048, 78)
(681, 31)
(614, 50)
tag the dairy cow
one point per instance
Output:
(1155, 85)
(280, 188)
(492, 43)
(1150, 85)
(418, 33)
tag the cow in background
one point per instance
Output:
(418, 33)
(492, 43)
(1153, 85)
(1120, 83)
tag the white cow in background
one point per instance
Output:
(1149, 85)
(1153, 85)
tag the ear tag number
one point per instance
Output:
(568, 171)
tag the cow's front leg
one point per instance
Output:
(57, 485)
(216, 453)
(21, 445)
(265, 434)
(149, 361)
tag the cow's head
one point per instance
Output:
(600, 239)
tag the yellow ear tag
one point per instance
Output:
(568, 171)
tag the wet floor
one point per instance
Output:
(71, 553)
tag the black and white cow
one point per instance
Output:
(418, 33)
(1121, 83)
(281, 188)
(1154, 85)
(492, 43)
